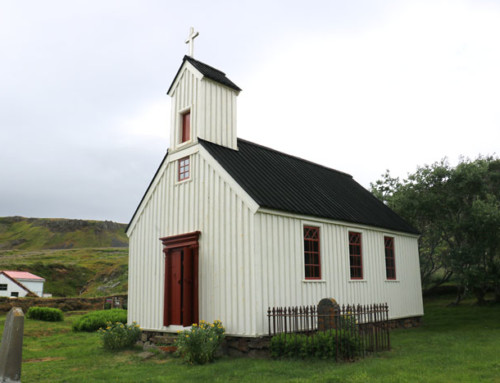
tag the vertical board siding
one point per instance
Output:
(279, 255)
(206, 203)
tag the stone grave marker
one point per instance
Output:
(11, 349)
(328, 312)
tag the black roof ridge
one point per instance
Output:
(287, 155)
(189, 58)
(207, 71)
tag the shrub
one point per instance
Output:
(117, 336)
(45, 313)
(199, 344)
(321, 345)
(93, 321)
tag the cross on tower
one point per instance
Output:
(190, 40)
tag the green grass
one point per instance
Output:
(455, 344)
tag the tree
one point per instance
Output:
(457, 211)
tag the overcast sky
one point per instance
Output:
(359, 86)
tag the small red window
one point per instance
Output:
(312, 253)
(184, 169)
(186, 127)
(390, 261)
(355, 255)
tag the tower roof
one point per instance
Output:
(207, 71)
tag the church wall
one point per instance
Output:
(279, 255)
(226, 225)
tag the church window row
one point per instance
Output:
(312, 259)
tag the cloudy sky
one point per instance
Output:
(359, 86)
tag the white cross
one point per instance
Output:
(190, 40)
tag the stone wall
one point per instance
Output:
(64, 304)
(257, 347)
(405, 322)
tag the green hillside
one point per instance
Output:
(76, 257)
(42, 233)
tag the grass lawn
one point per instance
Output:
(455, 344)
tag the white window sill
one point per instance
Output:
(358, 281)
(313, 281)
(392, 280)
(183, 181)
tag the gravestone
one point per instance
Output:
(328, 313)
(11, 349)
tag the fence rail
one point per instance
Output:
(366, 326)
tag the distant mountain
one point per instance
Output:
(76, 257)
(19, 233)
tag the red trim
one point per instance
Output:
(312, 254)
(355, 255)
(181, 302)
(390, 258)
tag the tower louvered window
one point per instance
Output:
(186, 127)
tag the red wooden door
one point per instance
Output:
(181, 279)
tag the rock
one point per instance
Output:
(145, 355)
(11, 349)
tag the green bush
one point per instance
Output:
(117, 336)
(45, 313)
(199, 344)
(322, 345)
(94, 320)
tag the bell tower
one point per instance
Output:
(203, 104)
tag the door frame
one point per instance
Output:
(189, 244)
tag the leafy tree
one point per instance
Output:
(457, 211)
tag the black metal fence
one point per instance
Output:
(343, 332)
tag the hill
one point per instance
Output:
(76, 257)
(43, 233)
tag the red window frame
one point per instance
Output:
(312, 255)
(184, 169)
(390, 259)
(355, 255)
(186, 127)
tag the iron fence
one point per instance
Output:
(348, 331)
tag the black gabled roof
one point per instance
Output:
(283, 182)
(207, 71)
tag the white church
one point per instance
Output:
(228, 228)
